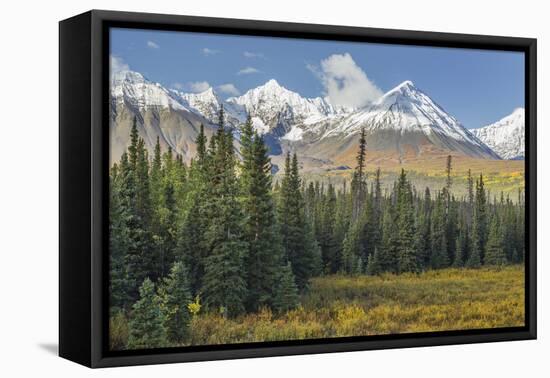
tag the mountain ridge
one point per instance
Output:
(404, 119)
(506, 136)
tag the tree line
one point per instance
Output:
(219, 235)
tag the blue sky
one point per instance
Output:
(477, 87)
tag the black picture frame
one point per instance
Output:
(83, 194)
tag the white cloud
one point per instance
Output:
(192, 86)
(118, 65)
(251, 55)
(178, 86)
(198, 86)
(229, 89)
(314, 70)
(207, 52)
(152, 45)
(248, 70)
(346, 84)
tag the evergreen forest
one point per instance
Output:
(223, 237)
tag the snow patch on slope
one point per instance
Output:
(507, 136)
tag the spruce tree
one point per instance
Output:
(448, 174)
(474, 258)
(495, 254)
(424, 231)
(353, 250)
(286, 292)
(342, 223)
(167, 237)
(373, 263)
(119, 240)
(358, 183)
(460, 250)
(298, 242)
(201, 147)
(146, 320)
(175, 295)
(451, 226)
(133, 147)
(407, 259)
(390, 241)
(224, 284)
(264, 253)
(508, 231)
(327, 234)
(470, 198)
(479, 235)
(192, 245)
(138, 259)
(440, 257)
(156, 176)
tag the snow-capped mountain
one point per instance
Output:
(404, 117)
(507, 136)
(405, 120)
(275, 109)
(208, 103)
(159, 113)
(137, 91)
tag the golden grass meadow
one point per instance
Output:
(340, 306)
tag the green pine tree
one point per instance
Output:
(373, 263)
(407, 258)
(390, 241)
(495, 254)
(201, 147)
(353, 249)
(327, 237)
(139, 259)
(440, 256)
(359, 183)
(175, 295)
(424, 231)
(192, 244)
(264, 253)
(286, 292)
(460, 250)
(146, 320)
(224, 281)
(119, 241)
(299, 244)
(479, 235)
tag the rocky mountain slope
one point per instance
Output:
(507, 136)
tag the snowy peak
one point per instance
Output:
(405, 88)
(269, 93)
(413, 117)
(118, 78)
(275, 108)
(273, 84)
(134, 89)
(207, 104)
(506, 136)
(403, 117)
(204, 102)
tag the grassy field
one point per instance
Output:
(336, 306)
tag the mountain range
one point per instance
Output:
(402, 124)
(507, 136)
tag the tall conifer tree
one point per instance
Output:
(264, 254)
(224, 283)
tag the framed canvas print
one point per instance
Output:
(233, 188)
